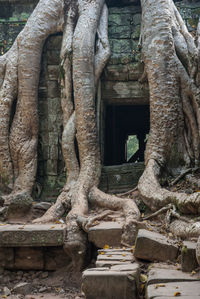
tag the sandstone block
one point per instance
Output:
(27, 258)
(31, 235)
(152, 246)
(110, 283)
(169, 290)
(188, 256)
(157, 275)
(105, 233)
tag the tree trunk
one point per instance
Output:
(171, 58)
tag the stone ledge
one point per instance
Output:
(106, 233)
(31, 235)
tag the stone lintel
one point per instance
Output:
(14, 235)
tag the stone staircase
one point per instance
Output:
(119, 272)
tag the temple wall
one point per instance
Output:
(119, 83)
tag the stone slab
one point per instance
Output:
(106, 233)
(157, 275)
(110, 283)
(188, 256)
(152, 246)
(12, 235)
(168, 290)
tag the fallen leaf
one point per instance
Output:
(2, 224)
(159, 286)
(143, 278)
(123, 254)
(52, 227)
(177, 294)
(193, 272)
(102, 252)
(106, 246)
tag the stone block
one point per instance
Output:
(152, 246)
(112, 257)
(53, 90)
(157, 275)
(53, 72)
(169, 290)
(117, 72)
(22, 288)
(188, 256)
(106, 233)
(119, 20)
(125, 92)
(27, 258)
(110, 283)
(55, 258)
(120, 46)
(31, 235)
(54, 42)
(7, 257)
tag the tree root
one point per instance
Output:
(155, 197)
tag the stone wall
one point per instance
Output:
(119, 82)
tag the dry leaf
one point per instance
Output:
(177, 294)
(102, 252)
(159, 286)
(106, 246)
(123, 254)
(52, 227)
(143, 278)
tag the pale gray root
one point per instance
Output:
(185, 230)
(127, 205)
(24, 130)
(8, 93)
(169, 53)
(156, 197)
(63, 202)
(84, 95)
(102, 47)
(87, 222)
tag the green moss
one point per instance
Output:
(184, 250)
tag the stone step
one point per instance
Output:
(111, 283)
(116, 275)
(174, 289)
(107, 232)
(188, 256)
(152, 246)
(157, 275)
(31, 235)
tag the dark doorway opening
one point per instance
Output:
(126, 132)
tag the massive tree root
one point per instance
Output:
(171, 57)
(84, 53)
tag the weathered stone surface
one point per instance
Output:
(29, 258)
(6, 258)
(119, 178)
(125, 92)
(19, 205)
(152, 246)
(55, 258)
(110, 283)
(42, 205)
(106, 233)
(188, 256)
(191, 290)
(157, 275)
(23, 288)
(31, 235)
